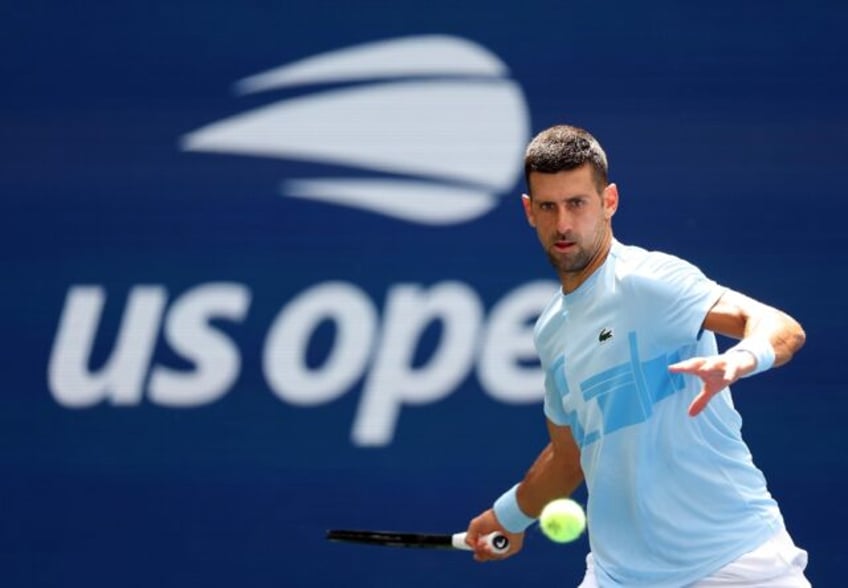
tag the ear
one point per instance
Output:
(528, 209)
(610, 200)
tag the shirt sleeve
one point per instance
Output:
(675, 296)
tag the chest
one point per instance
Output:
(589, 338)
(604, 365)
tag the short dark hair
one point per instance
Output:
(564, 148)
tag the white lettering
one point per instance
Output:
(508, 340)
(392, 381)
(189, 333)
(284, 356)
(402, 366)
(121, 379)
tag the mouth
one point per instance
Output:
(563, 245)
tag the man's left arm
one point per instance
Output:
(769, 338)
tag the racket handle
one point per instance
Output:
(497, 542)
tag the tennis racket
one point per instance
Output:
(497, 542)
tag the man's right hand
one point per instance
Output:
(481, 526)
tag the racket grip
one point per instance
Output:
(497, 542)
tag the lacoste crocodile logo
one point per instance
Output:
(605, 335)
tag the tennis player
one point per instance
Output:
(637, 398)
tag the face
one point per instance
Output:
(572, 220)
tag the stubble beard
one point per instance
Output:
(568, 263)
(577, 260)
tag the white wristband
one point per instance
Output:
(509, 514)
(762, 350)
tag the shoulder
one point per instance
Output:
(642, 266)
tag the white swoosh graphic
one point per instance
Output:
(465, 131)
(448, 113)
(422, 202)
(411, 56)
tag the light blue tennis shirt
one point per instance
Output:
(672, 498)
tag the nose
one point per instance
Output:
(563, 223)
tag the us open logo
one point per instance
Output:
(435, 119)
(434, 131)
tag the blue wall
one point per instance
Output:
(726, 129)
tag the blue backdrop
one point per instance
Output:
(210, 351)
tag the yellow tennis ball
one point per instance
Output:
(562, 520)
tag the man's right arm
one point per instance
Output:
(555, 473)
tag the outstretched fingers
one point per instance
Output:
(715, 372)
(688, 366)
(700, 402)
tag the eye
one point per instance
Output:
(546, 206)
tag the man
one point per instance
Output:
(637, 399)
